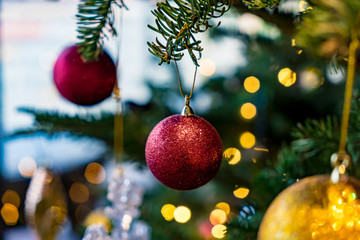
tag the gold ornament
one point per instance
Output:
(314, 209)
(45, 204)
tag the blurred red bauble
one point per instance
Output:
(183, 153)
(84, 83)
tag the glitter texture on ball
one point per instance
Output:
(314, 208)
(184, 153)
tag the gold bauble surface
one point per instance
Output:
(314, 209)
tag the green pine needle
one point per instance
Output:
(177, 22)
(95, 22)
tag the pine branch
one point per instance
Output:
(284, 21)
(258, 4)
(325, 30)
(178, 21)
(245, 225)
(95, 22)
(52, 122)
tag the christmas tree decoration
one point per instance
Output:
(45, 204)
(84, 83)
(126, 198)
(314, 208)
(184, 151)
(96, 232)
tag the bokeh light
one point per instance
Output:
(336, 74)
(342, 169)
(182, 214)
(79, 192)
(10, 196)
(95, 173)
(241, 192)
(9, 214)
(168, 211)
(27, 167)
(205, 229)
(98, 217)
(248, 110)
(251, 84)
(207, 67)
(247, 140)
(232, 155)
(287, 77)
(223, 206)
(311, 79)
(217, 216)
(218, 231)
(304, 6)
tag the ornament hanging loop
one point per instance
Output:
(180, 86)
(187, 110)
(339, 161)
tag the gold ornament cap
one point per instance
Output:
(187, 110)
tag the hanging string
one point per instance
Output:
(348, 92)
(179, 81)
(118, 116)
(187, 97)
(341, 160)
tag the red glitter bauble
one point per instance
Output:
(183, 153)
(84, 83)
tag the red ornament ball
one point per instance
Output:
(84, 83)
(183, 153)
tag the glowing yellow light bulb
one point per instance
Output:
(241, 192)
(287, 77)
(9, 214)
(223, 206)
(168, 211)
(247, 140)
(219, 231)
(95, 173)
(10, 196)
(232, 155)
(217, 216)
(251, 84)
(182, 214)
(248, 110)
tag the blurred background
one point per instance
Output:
(253, 86)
